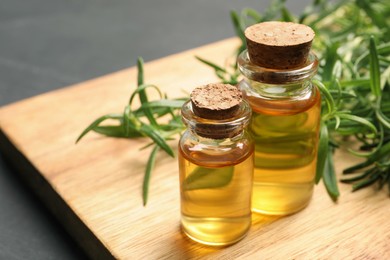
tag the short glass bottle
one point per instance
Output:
(216, 174)
(285, 127)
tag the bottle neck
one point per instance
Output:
(262, 89)
(277, 83)
(216, 129)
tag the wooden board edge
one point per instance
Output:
(75, 227)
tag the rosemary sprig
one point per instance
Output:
(354, 77)
(352, 42)
(159, 120)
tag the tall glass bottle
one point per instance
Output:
(216, 170)
(285, 126)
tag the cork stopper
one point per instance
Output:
(216, 102)
(279, 45)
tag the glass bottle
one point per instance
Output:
(216, 170)
(285, 127)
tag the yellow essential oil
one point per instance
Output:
(216, 208)
(286, 139)
(216, 166)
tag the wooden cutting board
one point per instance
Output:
(94, 187)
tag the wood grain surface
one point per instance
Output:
(94, 187)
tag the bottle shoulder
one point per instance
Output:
(213, 152)
(290, 103)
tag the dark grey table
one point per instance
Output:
(49, 44)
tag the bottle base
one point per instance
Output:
(284, 212)
(281, 198)
(216, 231)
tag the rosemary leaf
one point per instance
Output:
(157, 138)
(359, 120)
(115, 131)
(328, 97)
(148, 172)
(141, 91)
(208, 178)
(382, 118)
(371, 180)
(251, 15)
(359, 177)
(355, 83)
(286, 15)
(376, 157)
(142, 94)
(375, 74)
(330, 60)
(237, 24)
(211, 64)
(95, 123)
(323, 148)
(329, 177)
